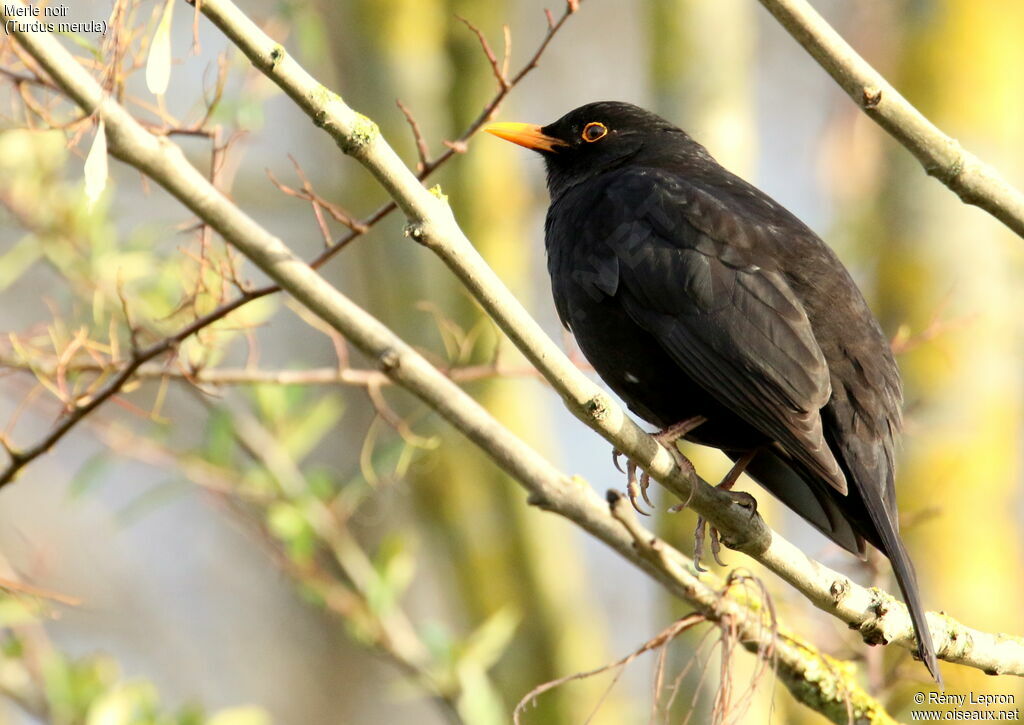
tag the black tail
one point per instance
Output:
(871, 474)
(903, 568)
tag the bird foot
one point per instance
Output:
(740, 498)
(636, 488)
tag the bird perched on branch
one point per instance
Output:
(718, 316)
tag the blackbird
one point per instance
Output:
(712, 310)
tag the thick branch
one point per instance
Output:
(878, 616)
(974, 181)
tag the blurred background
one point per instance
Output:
(326, 553)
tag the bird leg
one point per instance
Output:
(743, 499)
(667, 438)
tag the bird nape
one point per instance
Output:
(696, 296)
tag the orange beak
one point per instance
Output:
(525, 134)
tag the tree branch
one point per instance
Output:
(974, 181)
(348, 376)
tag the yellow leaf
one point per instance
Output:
(96, 166)
(240, 716)
(158, 64)
(123, 704)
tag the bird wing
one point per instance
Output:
(697, 273)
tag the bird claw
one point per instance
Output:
(683, 505)
(645, 483)
(744, 500)
(616, 455)
(698, 544)
(699, 535)
(637, 489)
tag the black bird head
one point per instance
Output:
(599, 137)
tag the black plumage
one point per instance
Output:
(692, 293)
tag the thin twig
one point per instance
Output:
(658, 642)
(496, 66)
(422, 151)
(490, 110)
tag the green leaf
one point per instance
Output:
(28, 153)
(484, 647)
(15, 611)
(479, 701)
(90, 475)
(114, 708)
(125, 704)
(396, 563)
(18, 259)
(288, 523)
(273, 402)
(321, 483)
(220, 438)
(439, 641)
(285, 520)
(395, 567)
(307, 429)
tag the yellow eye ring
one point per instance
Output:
(594, 131)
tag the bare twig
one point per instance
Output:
(422, 151)
(497, 67)
(491, 108)
(336, 212)
(342, 375)
(12, 586)
(659, 641)
(390, 632)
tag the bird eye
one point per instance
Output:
(594, 131)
